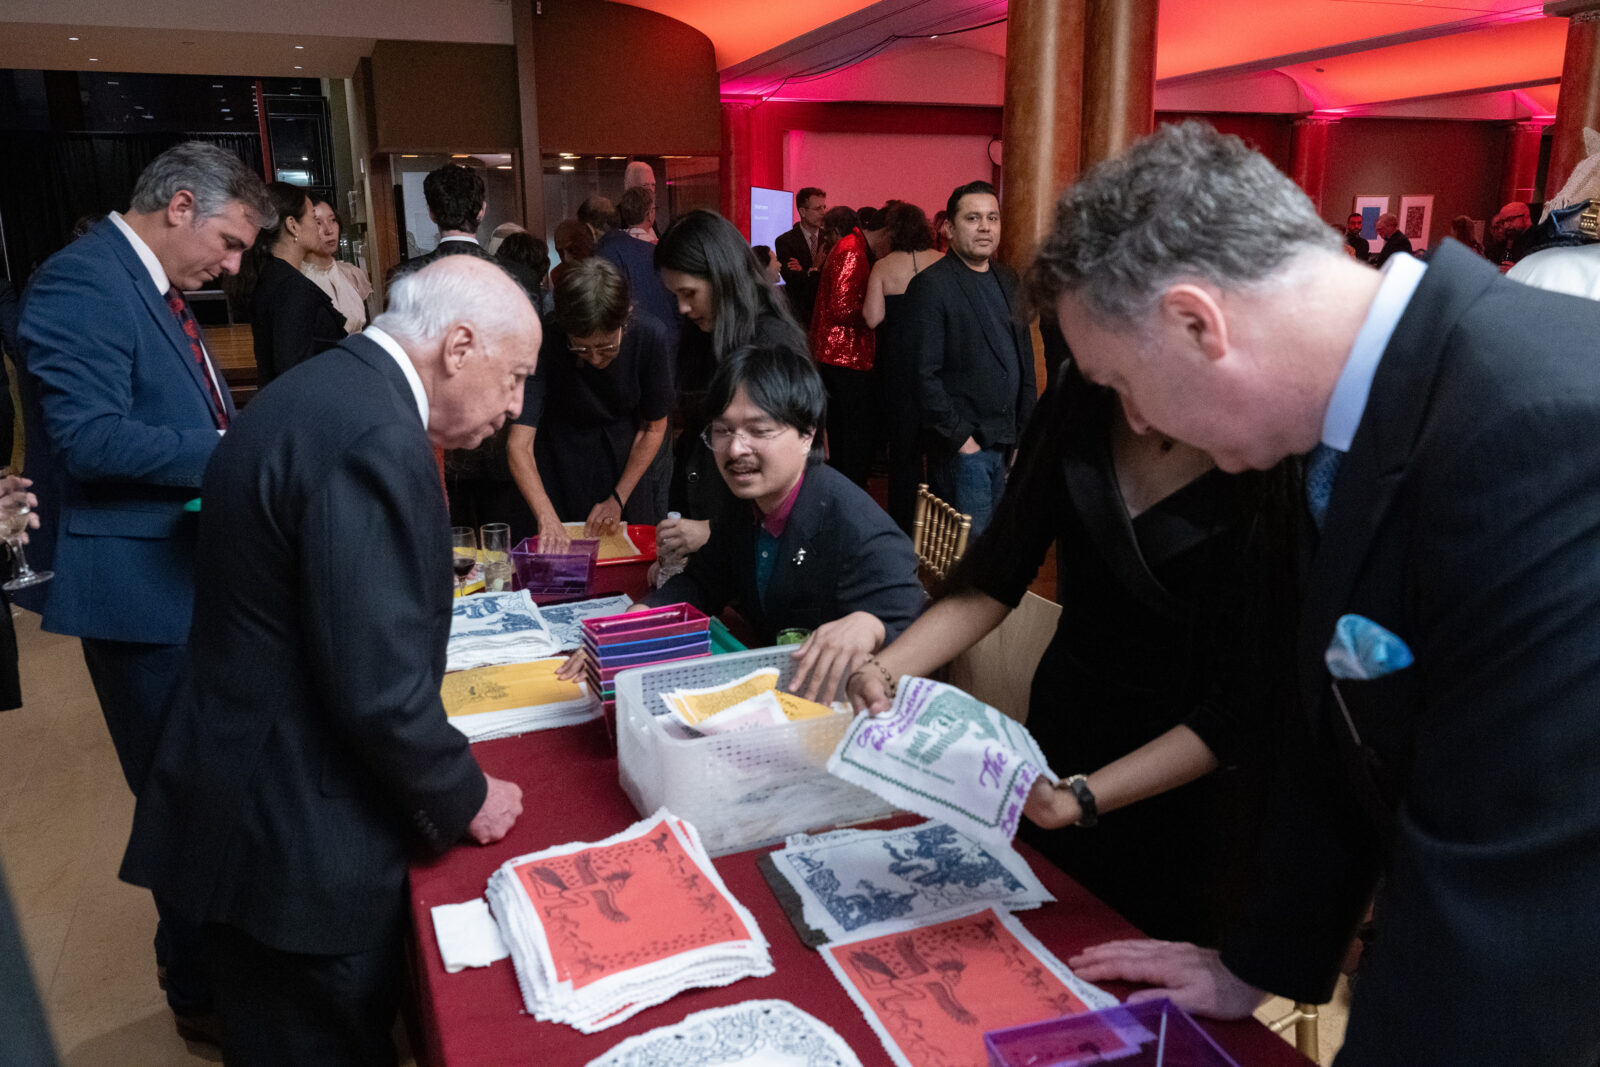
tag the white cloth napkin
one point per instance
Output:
(467, 935)
(756, 1033)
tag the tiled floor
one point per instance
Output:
(64, 816)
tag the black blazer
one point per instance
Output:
(311, 747)
(291, 319)
(840, 552)
(800, 285)
(452, 246)
(1465, 519)
(961, 364)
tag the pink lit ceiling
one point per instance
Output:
(1335, 54)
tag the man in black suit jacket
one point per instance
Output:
(973, 356)
(799, 265)
(310, 748)
(1449, 720)
(457, 200)
(1394, 239)
(814, 552)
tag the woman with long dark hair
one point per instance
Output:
(911, 252)
(723, 293)
(290, 318)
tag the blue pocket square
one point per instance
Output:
(1364, 650)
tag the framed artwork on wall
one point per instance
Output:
(1369, 208)
(1416, 220)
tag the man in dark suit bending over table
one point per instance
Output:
(311, 748)
(1451, 471)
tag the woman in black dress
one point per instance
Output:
(290, 318)
(1175, 581)
(724, 295)
(911, 253)
(594, 414)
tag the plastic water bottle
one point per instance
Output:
(669, 566)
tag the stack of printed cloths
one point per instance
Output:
(600, 931)
(492, 702)
(490, 629)
(640, 639)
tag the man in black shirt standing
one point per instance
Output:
(1353, 238)
(973, 356)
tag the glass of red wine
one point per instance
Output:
(464, 553)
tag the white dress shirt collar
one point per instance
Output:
(158, 273)
(458, 237)
(413, 379)
(1401, 276)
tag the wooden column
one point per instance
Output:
(1522, 164)
(1579, 103)
(1119, 76)
(1311, 157)
(734, 176)
(531, 170)
(1042, 124)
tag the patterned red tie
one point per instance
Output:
(191, 330)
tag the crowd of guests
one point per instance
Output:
(1257, 460)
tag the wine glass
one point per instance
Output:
(464, 553)
(14, 512)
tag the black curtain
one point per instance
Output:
(49, 180)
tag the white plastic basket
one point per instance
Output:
(739, 790)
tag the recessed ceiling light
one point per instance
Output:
(226, 110)
(92, 59)
(567, 166)
(113, 83)
(216, 86)
(461, 155)
(72, 38)
(408, 157)
(228, 119)
(305, 159)
(300, 47)
(502, 166)
(297, 67)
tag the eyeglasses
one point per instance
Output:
(597, 351)
(721, 438)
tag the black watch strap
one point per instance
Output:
(1079, 784)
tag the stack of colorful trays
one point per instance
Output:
(615, 643)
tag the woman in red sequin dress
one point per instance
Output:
(844, 347)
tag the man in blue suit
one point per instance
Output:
(132, 406)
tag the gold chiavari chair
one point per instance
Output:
(939, 535)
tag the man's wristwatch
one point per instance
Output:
(1079, 784)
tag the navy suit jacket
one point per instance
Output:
(129, 426)
(1465, 520)
(311, 747)
(840, 552)
(636, 260)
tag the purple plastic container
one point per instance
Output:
(1146, 1034)
(545, 574)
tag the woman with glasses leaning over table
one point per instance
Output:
(594, 414)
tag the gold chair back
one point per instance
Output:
(939, 534)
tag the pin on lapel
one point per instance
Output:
(799, 557)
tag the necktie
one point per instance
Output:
(191, 330)
(1322, 467)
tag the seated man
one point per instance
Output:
(815, 551)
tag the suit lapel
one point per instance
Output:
(1385, 440)
(156, 304)
(968, 280)
(795, 545)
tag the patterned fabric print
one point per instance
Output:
(768, 1033)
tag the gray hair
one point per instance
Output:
(424, 304)
(214, 177)
(1185, 202)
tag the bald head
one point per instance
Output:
(473, 336)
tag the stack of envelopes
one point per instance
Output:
(616, 643)
(491, 702)
(600, 931)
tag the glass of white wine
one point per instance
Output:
(14, 512)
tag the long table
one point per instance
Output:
(570, 793)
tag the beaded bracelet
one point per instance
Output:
(889, 684)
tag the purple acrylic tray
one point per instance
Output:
(1151, 1033)
(547, 574)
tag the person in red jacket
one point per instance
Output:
(844, 346)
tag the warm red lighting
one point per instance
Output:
(740, 29)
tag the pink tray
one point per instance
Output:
(667, 621)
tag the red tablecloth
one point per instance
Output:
(570, 793)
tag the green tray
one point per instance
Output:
(723, 641)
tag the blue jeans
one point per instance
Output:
(972, 484)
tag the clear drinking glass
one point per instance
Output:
(464, 552)
(496, 556)
(14, 512)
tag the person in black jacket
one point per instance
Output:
(309, 749)
(1448, 690)
(290, 318)
(810, 550)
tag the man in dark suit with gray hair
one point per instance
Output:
(1448, 721)
(310, 748)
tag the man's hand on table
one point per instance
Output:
(832, 652)
(501, 806)
(1193, 977)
